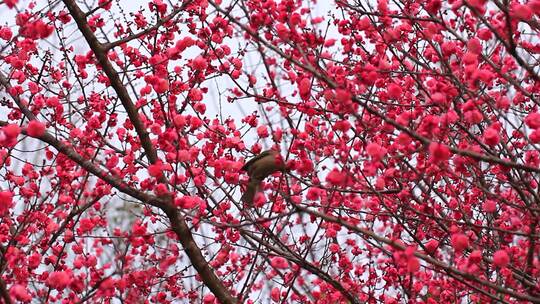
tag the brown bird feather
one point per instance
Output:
(258, 168)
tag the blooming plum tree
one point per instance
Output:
(410, 130)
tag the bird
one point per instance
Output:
(258, 168)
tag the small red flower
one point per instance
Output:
(35, 128)
(394, 91)
(59, 280)
(413, 264)
(6, 201)
(279, 263)
(439, 152)
(491, 137)
(501, 258)
(460, 242)
(376, 151)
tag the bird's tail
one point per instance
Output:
(251, 190)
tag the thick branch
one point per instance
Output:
(4, 293)
(101, 55)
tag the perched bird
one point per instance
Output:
(258, 168)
